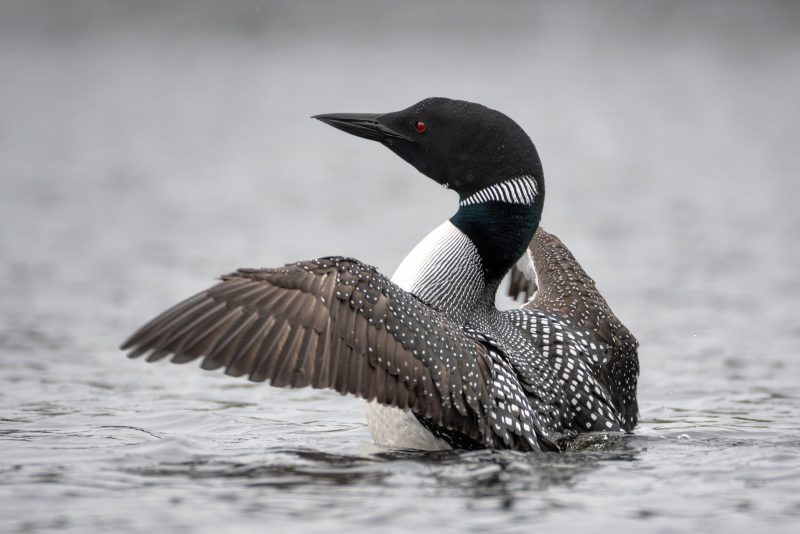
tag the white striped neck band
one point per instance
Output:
(519, 190)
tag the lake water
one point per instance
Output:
(147, 147)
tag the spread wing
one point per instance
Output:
(522, 279)
(336, 323)
(566, 289)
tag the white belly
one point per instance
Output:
(393, 427)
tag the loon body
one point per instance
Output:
(438, 363)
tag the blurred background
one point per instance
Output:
(148, 146)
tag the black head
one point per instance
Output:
(462, 145)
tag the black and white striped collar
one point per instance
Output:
(519, 190)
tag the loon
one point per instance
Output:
(440, 366)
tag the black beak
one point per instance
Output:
(364, 125)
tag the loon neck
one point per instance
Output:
(500, 220)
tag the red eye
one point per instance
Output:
(421, 126)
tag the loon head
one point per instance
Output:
(461, 145)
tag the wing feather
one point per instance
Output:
(332, 323)
(567, 290)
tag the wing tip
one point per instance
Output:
(132, 348)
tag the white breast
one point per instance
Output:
(444, 270)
